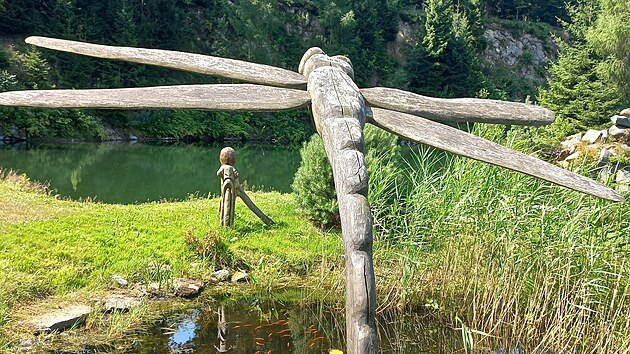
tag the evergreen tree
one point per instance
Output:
(582, 91)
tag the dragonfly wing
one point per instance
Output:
(458, 109)
(237, 97)
(198, 63)
(461, 143)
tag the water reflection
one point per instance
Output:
(249, 326)
(129, 173)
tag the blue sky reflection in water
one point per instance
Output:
(249, 327)
(134, 173)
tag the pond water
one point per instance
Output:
(134, 173)
(249, 326)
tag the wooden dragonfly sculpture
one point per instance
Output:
(340, 110)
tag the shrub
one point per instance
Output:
(314, 185)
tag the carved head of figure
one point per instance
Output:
(227, 156)
(316, 58)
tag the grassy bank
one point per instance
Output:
(64, 250)
(501, 258)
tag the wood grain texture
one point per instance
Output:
(339, 114)
(198, 63)
(237, 97)
(458, 109)
(461, 143)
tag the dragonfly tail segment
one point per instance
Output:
(450, 139)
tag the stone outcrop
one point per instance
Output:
(605, 144)
(525, 51)
(62, 319)
(187, 288)
(121, 303)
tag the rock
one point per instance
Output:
(592, 136)
(604, 155)
(623, 176)
(570, 142)
(122, 282)
(573, 156)
(625, 112)
(622, 121)
(240, 277)
(617, 131)
(62, 319)
(187, 288)
(153, 288)
(564, 154)
(121, 303)
(221, 275)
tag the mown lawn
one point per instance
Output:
(53, 247)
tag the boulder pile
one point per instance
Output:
(603, 144)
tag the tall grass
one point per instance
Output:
(516, 261)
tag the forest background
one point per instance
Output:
(440, 56)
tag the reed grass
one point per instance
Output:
(515, 261)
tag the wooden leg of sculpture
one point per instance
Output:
(253, 207)
(227, 204)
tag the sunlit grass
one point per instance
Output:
(515, 261)
(51, 247)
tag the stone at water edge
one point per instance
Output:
(622, 121)
(592, 136)
(121, 303)
(240, 277)
(573, 156)
(571, 141)
(122, 282)
(625, 112)
(187, 287)
(62, 319)
(220, 275)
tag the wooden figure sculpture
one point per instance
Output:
(340, 109)
(230, 189)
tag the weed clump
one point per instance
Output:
(211, 249)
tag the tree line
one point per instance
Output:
(444, 59)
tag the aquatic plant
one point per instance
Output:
(514, 258)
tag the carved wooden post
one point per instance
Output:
(230, 189)
(339, 113)
(229, 184)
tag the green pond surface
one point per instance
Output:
(135, 173)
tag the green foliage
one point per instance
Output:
(445, 64)
(314, 186)
(610, 37)
(582, 91)
(578, 93)
(212, 249)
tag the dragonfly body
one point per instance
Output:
(339, 113)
